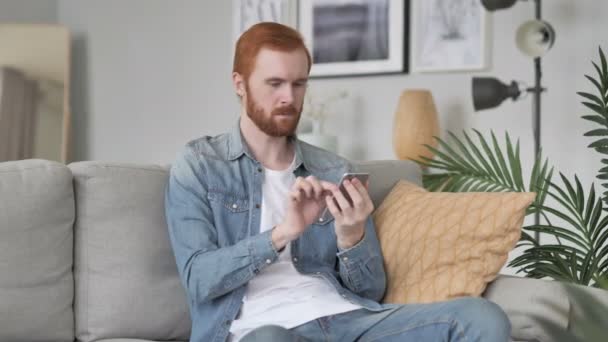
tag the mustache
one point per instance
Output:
(290, 109)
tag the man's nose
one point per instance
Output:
(287, 95)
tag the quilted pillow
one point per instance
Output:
(441, 245)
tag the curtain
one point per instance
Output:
(18, 98)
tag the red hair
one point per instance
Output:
(269, 35)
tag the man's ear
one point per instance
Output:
(239, 83)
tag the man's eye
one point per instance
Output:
(275, 84)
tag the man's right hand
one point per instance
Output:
(306, 201)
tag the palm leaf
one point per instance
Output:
(599, 105)
(464, 167)
(579, 259)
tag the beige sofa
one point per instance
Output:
(85, 255)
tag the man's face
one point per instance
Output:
(274, 92)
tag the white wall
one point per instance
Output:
(28, 11)
(148, 75)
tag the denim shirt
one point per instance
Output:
(212, 206)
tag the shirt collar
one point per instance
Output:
(237, 146)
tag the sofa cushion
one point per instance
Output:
(438, 246)
(36, 246)
(127, 283)
(129, 340)
(385, 173)
(527, 300)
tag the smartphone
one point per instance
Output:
(361, 176)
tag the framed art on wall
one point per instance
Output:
(449, 35)
(355, 37)
(249, 12)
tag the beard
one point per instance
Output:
(282, 121)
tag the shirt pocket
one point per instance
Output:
(323, 224)
(230, 215)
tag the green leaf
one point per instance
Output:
(599, 143)
(597, 132)
(515, 164)
(489, 154)
(455, 156)
(595, 118)
(559, 232)
(598, 109)
(588, 268)
(601, 239)
(595, 83)
(602, 79)
(469, 158)
(486, 166)
(592, 97)
(599, 228)
(501, 160)
(603, 61)
(542, 182)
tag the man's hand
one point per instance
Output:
(350, 219)
(306, 200)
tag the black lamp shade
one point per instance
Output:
(490, 92)
(493, 5)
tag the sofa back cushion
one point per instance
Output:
(127, 283)
(384, 174)
(36, 239)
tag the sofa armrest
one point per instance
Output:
(525, 300)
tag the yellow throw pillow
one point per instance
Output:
(441, 245)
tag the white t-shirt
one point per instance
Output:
(279, 294)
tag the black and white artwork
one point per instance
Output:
(355, 37)
(448, 35)
(250, 12)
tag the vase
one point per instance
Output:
(415, 124)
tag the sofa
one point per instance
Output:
(85, 255)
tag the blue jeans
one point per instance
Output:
(463, 319)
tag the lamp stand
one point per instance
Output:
(536, 92)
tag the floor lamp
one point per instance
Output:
(534, 38)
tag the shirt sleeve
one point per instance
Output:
(206, 270)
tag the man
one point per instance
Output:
(256, 262)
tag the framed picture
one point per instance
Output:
(355, 37)
(250, 12)
(449, 35)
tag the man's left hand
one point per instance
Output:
(350, 219)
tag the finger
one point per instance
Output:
(316, 186)
(354, 188)
(342, 201)
(363, 189)
(328, 186)
(304, 186)
(332, 207)
(296, 195)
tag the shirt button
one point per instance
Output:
(257, 206)
(295, 259)
(234, 206)
(268, 261)
(259, 169)
(345, 258)
(320, 219)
